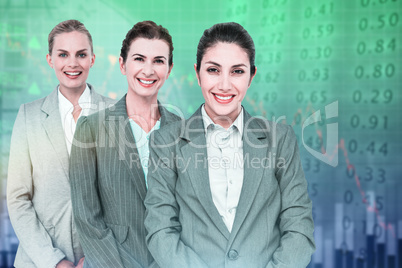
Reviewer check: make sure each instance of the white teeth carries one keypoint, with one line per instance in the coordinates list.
(223, 98)
(147, 82)
(76, 73)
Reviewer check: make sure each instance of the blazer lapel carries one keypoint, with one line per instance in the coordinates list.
(98, 102)
(195, 152)
(166, 116)
(118, 127)
(51, 122)
(254, 147)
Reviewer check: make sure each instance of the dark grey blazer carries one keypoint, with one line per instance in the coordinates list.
(108, 189)
(273, 226)
(38, 188)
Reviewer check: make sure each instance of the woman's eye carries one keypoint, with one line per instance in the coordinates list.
(238, 71)
(82, 55)
(212, 70)
(159, 61)
(138, 59)
(63, 55)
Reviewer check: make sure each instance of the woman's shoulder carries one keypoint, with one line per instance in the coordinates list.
(35, 108)
(35, 104)
(274, 130)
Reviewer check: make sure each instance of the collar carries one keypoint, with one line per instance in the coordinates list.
(66, 106)
(119, 110)
(210, 125)
(138, 131)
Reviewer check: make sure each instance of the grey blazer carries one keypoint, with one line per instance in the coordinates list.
(273, 226)
(38, 189)
(108, 189)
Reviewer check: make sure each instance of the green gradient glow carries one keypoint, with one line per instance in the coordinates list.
(308, 54)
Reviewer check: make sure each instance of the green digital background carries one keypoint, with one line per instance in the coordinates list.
(310, 55)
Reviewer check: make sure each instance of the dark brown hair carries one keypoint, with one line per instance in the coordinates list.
(229, 32)
(149, 30)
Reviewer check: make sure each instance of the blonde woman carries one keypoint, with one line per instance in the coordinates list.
(38, 189)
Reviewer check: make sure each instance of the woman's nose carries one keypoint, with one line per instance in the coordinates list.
(224, 83)
(72, 62)
(148, 69)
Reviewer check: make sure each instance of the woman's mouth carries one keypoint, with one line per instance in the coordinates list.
(223, 99)
(73, 74)
(146, 83)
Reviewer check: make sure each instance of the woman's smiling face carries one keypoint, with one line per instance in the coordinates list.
(71, 60)
(224, 78)
(146, 67)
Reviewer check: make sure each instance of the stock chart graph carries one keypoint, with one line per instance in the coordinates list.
(330, 69)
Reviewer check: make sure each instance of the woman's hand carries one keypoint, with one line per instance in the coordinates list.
(80, 263)
(65, 264)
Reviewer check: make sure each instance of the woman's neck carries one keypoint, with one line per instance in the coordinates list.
(143, 111)
(73, 95)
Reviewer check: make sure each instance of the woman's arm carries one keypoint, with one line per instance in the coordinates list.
(100, 246)
(162, 214)
(295, 219)
(32, 235)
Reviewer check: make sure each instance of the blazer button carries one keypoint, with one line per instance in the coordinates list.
(233, 255)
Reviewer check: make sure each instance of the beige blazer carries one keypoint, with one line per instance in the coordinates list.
(38, 189)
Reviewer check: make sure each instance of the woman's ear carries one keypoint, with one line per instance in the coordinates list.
(170, 69)
(122, 66)
(197, 74)
(49, 60)
(92, 60)
(252, 77)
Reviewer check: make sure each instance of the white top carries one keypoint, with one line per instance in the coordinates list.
(142, 143)
(66, 109)
(225, 165)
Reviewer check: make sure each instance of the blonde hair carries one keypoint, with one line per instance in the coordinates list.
(68, 26)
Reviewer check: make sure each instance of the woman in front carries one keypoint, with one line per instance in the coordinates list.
(108, 167)
(38, 189)
(229, 191)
